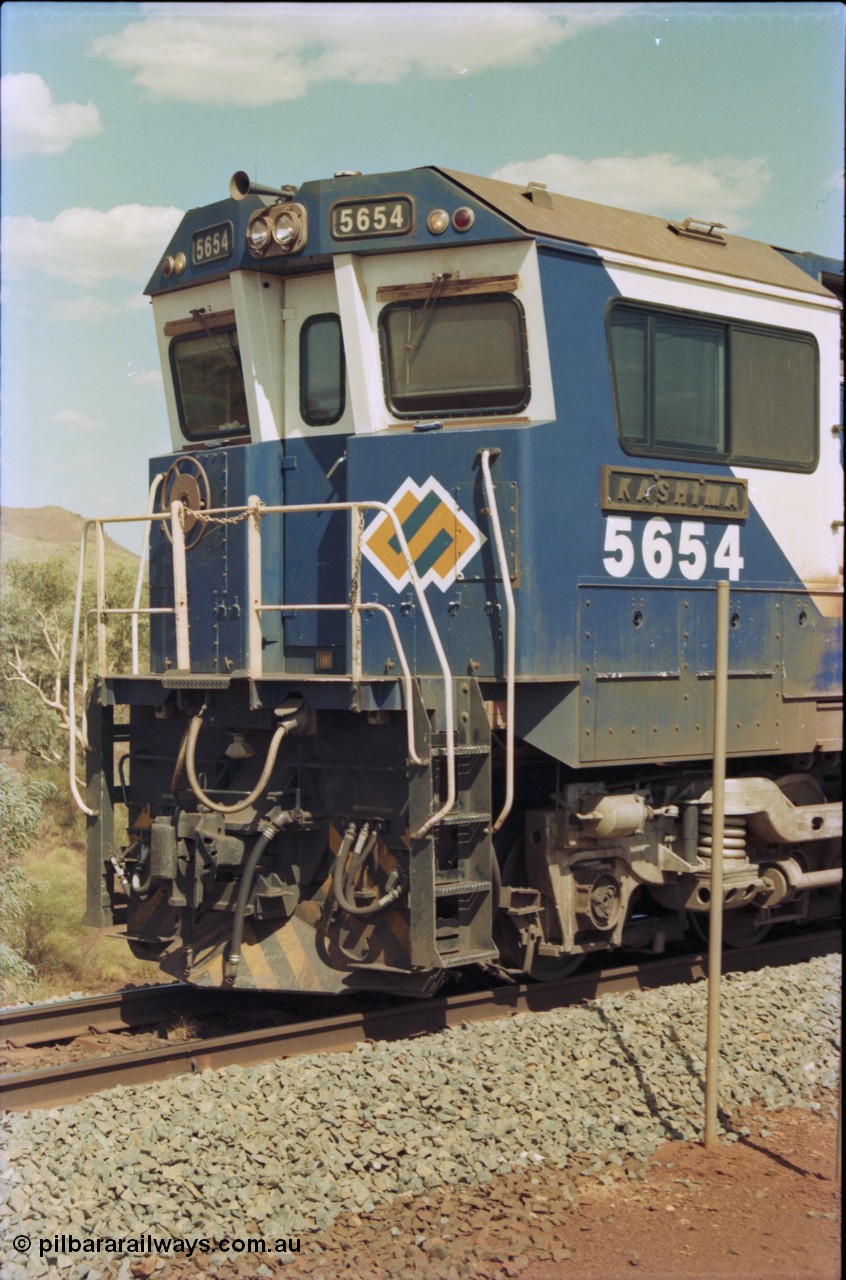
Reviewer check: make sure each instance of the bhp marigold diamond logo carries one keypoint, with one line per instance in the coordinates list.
(440, 537)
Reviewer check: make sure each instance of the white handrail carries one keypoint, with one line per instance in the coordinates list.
(139, 583)
(511, 636)
(77, 611)
(256, 511)
(254, 639)
(102, 613)
(180, 587)
(449, 713)
(392, 626)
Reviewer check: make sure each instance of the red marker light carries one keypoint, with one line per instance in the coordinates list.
(463, 218)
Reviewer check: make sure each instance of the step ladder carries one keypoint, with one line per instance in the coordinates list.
(450, 873)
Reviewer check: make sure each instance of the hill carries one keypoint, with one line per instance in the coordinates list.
(41, 533)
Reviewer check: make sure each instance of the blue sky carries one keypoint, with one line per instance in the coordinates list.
(118, 117)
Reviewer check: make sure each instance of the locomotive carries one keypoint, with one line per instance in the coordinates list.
(456, 467)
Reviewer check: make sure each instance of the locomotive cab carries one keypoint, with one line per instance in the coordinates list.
(455, 468)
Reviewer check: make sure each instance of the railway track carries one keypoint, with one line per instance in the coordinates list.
(54, 1086)
(116, 1011)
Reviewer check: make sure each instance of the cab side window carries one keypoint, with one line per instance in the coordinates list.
(322, 371)
(687, 386)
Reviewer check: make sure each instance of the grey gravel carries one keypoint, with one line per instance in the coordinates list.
(283, 1148)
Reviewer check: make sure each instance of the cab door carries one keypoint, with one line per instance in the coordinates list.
(317, 419)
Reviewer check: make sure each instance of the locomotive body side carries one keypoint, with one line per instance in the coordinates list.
(456, 468)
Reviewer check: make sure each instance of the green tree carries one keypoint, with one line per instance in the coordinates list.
(35, 651)
(21, 801)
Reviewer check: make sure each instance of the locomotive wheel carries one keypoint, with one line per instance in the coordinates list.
(186, 481)
(739, 928)
(548, 968)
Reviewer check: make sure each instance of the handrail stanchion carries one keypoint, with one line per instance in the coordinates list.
(139, 581)
(72, 734)
(356, 521)
(254, 635)
(180, 588)
(715, 918)
(102, 656)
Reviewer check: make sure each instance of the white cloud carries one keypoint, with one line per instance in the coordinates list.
(33, 123)
(147, 378)
(723, 188)
(85, 309)
(76, 463)
(88, 246)
(74, 420)
(90, 308)
(260, 54)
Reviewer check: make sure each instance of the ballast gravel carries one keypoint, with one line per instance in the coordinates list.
(280, 1150)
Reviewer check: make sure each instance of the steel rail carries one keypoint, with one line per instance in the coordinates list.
(47, 1023)
(52, 1087)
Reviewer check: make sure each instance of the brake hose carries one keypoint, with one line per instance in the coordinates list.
(271, 826)
(261, 786)
(361, 852)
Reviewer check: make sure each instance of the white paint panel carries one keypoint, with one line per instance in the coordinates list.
(259, 302)
(307, 296)
(361, 346)
(359, 277)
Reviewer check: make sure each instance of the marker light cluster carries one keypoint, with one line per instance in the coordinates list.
(173, 265)
(281, 229)
(462, 220)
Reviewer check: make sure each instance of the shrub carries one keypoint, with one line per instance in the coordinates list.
(21, 810)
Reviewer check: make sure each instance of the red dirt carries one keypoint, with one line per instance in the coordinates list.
(763, 1208)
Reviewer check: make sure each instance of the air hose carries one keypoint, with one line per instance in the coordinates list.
(187, 755)
(141, 887)
(343, 877)
(270, 828)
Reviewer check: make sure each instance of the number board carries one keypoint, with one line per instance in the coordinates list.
(212, 244)
(360, 219)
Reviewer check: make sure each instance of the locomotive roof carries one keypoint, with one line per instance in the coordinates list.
(602, 227)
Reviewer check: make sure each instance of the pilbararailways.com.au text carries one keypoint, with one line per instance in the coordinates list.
(54, 1246)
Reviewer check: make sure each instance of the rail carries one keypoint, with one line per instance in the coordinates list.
(510, 635)
(253, 513)
(54, 1086)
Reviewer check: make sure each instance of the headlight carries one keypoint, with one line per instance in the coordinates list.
(281, 229)
(259, 234)
(285, 230)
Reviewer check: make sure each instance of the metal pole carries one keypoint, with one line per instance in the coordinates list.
(715, 919)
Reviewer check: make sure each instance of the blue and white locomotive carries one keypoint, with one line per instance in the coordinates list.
(456, 466)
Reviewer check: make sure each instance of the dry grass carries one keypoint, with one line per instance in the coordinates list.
(183, 1029)
(67, 955)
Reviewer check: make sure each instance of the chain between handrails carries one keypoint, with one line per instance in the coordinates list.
(204, 518)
